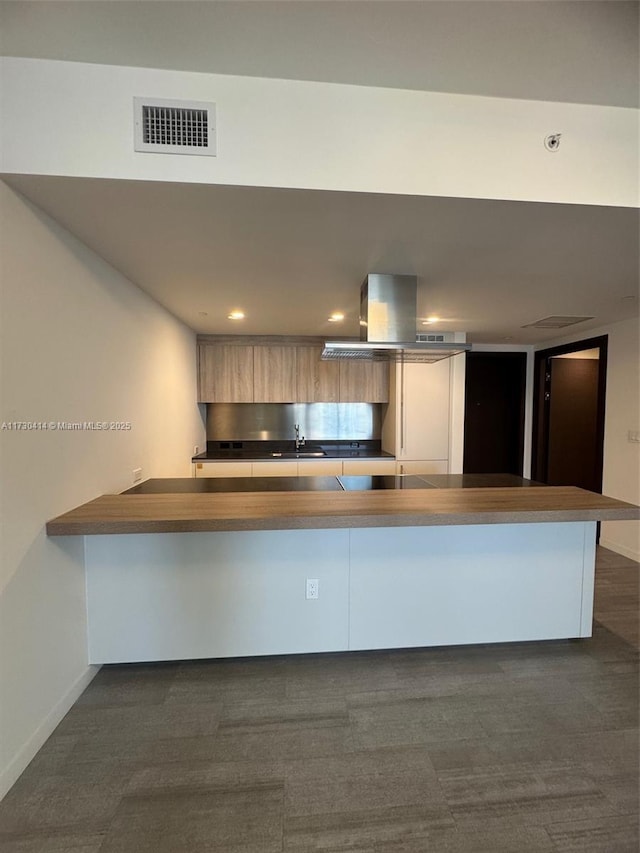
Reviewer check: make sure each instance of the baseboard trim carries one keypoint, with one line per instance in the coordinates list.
(10, 775)
(621, 549)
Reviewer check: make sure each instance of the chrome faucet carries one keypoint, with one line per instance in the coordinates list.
(299, 441)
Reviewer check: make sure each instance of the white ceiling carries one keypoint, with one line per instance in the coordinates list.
(291, 257)
(583, 51)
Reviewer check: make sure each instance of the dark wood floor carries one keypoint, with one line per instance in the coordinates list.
(494, 749)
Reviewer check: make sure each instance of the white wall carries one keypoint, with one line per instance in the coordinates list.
(286, 133)
(78, 343)
(621, 475)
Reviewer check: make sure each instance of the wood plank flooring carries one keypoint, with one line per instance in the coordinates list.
(513, 748)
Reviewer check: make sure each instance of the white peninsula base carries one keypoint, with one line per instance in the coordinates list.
(170, 596)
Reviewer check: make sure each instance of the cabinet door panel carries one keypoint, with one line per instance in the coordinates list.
(317, 381)
(225, 373)
(425, 408)
(274, 374)
(364, 381)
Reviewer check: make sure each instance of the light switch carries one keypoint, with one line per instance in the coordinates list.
(633, 435)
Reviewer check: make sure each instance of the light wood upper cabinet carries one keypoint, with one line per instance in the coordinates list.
(284, 372)
(317, 381)
(225, 373)
(274, 374)
(364, 381)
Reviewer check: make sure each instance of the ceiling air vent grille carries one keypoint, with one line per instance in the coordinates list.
(174, 127)
(556, 322)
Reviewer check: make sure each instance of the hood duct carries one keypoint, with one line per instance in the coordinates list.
(388, 308)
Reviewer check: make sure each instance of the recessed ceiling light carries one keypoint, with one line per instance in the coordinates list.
(236, 315)
(429, 320)
(336, 317)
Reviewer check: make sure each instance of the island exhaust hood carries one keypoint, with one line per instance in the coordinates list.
(388, 308)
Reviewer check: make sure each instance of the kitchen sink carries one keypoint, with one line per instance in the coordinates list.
(297, 454)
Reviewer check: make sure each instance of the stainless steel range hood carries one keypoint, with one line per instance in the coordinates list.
(388, 307)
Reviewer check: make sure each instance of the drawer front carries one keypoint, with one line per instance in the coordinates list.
(369, 466)
(222, 469)
(319, 467)
(306, 468)
(286, 468)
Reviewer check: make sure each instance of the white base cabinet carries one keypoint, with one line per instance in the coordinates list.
(171, 596)
(181, 596)
(474, 584)
(297, 468)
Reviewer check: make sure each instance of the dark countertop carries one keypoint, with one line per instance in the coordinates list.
(382, 482)
(209, 485)
(263, 450)
(477, 481)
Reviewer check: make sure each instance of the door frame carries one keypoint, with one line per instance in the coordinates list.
(540, 430)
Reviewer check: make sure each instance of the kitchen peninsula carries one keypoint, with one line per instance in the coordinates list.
(180, 575)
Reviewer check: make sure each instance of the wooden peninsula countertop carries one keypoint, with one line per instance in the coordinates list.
(192, 513)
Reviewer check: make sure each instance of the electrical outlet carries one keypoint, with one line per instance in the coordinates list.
(196, 450)
(137, 475)
(312, 587)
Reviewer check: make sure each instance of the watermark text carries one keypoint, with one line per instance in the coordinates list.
(63, 426)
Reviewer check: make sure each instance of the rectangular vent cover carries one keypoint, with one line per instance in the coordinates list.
(429, 338)
(556, 322)
(174, 127)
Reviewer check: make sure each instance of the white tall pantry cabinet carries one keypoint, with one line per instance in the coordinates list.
(424, 423)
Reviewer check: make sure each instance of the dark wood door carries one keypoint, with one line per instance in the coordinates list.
(573, 423)
(494, 413)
